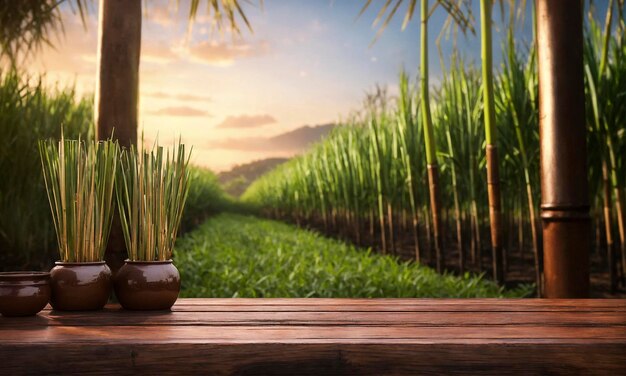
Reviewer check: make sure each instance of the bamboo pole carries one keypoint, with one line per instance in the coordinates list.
(564, 189)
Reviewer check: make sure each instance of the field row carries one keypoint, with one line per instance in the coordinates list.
(242, 256)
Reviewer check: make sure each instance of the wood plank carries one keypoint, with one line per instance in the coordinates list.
(116, 316)
(324, 336)
(315, 359)
(431, 305)
(307, 334)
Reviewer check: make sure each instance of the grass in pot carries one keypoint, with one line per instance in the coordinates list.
(80, 180)
(151, 189)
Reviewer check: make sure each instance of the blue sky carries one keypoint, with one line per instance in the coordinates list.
(307, 62)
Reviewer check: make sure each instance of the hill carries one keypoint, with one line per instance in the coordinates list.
(302, 137)
(294, 141)
(237, 179)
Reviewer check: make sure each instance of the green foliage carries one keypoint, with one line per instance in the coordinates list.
(372, 162)
(27, 25)
(205, 198)
(349, 170)
(80, 179)
(605, 89)
(459, 12)
(151, 192)
(459, 119)
(30, 112)
(240, 256)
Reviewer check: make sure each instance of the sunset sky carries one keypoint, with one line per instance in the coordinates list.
(306, 63)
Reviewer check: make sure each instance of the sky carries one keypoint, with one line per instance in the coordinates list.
(307, 62)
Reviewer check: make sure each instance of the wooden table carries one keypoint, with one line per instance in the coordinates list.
(324, 336)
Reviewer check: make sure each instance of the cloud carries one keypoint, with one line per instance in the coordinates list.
(180, 111)
(246, 121)
(214, 53)
(225, 54)
(161, 14)
(177, 96)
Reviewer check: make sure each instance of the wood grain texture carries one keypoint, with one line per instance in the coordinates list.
(116, 316)
(324, 336)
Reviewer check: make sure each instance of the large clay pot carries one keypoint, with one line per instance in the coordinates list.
(80, 286)
(23, 293)
(147, 285)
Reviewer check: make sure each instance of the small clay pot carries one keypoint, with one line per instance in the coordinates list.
(147, 285)
(80, 286)
(23, 293)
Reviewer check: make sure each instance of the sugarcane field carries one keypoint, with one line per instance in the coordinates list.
(407, 172)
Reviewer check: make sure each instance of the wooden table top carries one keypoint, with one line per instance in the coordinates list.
(324, 336)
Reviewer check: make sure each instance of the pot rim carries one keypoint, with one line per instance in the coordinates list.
(10, 276)
(142, 262)
(23, 279)
(73, 263)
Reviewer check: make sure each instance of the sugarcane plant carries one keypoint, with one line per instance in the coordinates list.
(493, 175)
(604, 81)
(458, 120)
(79, 177)
(516, 110)
(429, 140)
(462, 18)
(151, 189)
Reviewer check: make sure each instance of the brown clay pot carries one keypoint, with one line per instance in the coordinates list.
(147, 285)
(80, 286)
(23, 293)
